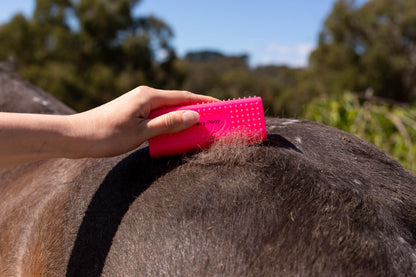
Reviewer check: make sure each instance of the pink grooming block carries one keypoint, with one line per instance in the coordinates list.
(241, 118)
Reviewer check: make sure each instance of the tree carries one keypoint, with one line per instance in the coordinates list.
(369, 46)
(87, 52)
(205, 68)
(224, 77)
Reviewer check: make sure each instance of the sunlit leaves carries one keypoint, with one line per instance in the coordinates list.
(87, 52)
(392, 128)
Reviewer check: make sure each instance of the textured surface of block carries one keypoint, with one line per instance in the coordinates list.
(239, 120)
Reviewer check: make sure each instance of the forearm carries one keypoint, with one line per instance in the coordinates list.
(31, 137)
(112, 129)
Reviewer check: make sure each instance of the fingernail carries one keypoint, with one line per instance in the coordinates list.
(190, 117)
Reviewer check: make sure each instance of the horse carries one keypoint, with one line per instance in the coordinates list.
(311, 200)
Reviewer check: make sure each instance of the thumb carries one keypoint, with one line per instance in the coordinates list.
(172, 122)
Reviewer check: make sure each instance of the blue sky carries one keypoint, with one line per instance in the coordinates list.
(269, 31)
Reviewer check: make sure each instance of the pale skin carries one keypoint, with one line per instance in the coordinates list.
(112, 129)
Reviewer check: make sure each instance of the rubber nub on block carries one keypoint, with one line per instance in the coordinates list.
(240, 120)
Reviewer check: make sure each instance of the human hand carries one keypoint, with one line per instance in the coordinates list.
(122, 124)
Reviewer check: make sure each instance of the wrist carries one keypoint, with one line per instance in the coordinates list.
(76, 137)
(57, 137)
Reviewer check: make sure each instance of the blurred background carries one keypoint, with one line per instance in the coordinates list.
(349, 64)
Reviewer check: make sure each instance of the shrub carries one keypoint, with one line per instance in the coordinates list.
(390, 127)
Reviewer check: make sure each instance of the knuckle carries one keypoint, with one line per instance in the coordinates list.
(142, 89)
(145, 94)
(186, 94)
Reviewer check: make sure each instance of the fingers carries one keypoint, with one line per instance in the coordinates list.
(171, 123)
(162, 98)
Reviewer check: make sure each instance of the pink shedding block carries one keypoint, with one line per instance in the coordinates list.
(237, 120)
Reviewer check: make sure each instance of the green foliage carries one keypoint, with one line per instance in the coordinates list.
(391, 128)
(360, 47)
(369, 46)
(230, 77)
(87, 52)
